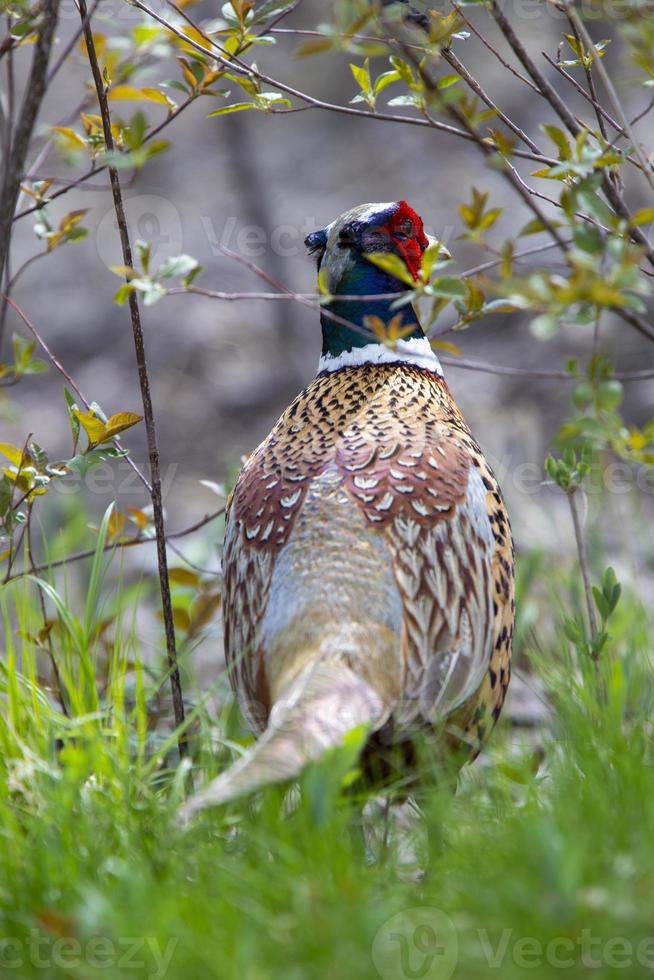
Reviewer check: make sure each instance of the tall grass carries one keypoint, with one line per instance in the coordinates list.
(541, 865)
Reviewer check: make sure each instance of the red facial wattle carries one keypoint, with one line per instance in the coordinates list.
(409, 247)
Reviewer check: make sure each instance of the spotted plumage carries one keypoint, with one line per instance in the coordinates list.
(368, 566)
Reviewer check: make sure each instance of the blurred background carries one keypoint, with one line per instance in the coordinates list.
(258, 183)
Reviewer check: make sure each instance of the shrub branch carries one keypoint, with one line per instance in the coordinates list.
(144, 381)
(17, 152)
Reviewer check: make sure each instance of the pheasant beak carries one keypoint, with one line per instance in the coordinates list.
(443, 252)
(316, 241)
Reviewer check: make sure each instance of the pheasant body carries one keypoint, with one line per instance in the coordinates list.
(368, 566)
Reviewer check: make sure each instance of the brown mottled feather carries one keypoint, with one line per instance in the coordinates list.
(406, 461)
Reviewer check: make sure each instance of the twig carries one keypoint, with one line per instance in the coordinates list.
(280, 17)
(506, 64)
(234, 63)
(72, 41)
(548, 91)
(120, 544)
(472, 82)
(507, 170)
(148, 412)
(455, 362)
(14, 548)
(54, 360)
(583, 562)
(466, 365)
(589, 75)
(94, 171)
(34, 91)
(191, 564)
(491, 263)
(599, 108)
(298, 297)
(610, 89)
(238, 66)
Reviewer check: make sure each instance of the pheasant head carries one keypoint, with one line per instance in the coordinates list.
(343, 250)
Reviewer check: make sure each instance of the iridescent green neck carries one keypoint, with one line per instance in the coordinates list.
(363, 279)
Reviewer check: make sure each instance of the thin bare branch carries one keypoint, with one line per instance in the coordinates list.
(54, 360)
(234, 63)
(484, 40)
(515, 372)
(95, 170)
(612, 193)
(34, 92)
(144, 381)
(583, 562)
(472, 82)
(588, 69)
(117, 546)
(72, 42)
(456, 362)
(610, 90)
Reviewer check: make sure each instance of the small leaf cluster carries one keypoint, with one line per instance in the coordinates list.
(570, 470)
(598, 423)
(605, 597)
(28, 471)
(24, 362)
(151, 283)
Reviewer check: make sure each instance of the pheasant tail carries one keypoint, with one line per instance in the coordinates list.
(325, 702)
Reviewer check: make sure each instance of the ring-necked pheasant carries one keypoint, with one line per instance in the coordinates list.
(368, 566)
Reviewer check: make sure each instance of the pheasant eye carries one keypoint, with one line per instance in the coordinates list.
(406, 227)
(346, 236)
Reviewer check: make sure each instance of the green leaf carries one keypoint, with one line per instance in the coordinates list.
(412, 99)
(123, 293)
(588, 238)
(430, 257)
(450, 287)
(269, 8)
(544, 326)
(385, 79)
(177, 265)
(144, 249)
(594, 206)
(71, 406)
(601, 603)
(642, 217)
(14, 454)
(535, 226)
(5, 495)
(447, 81)
(235, 107)
(362, 77)
(97, 574)
(559, 138)
(393, 265)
